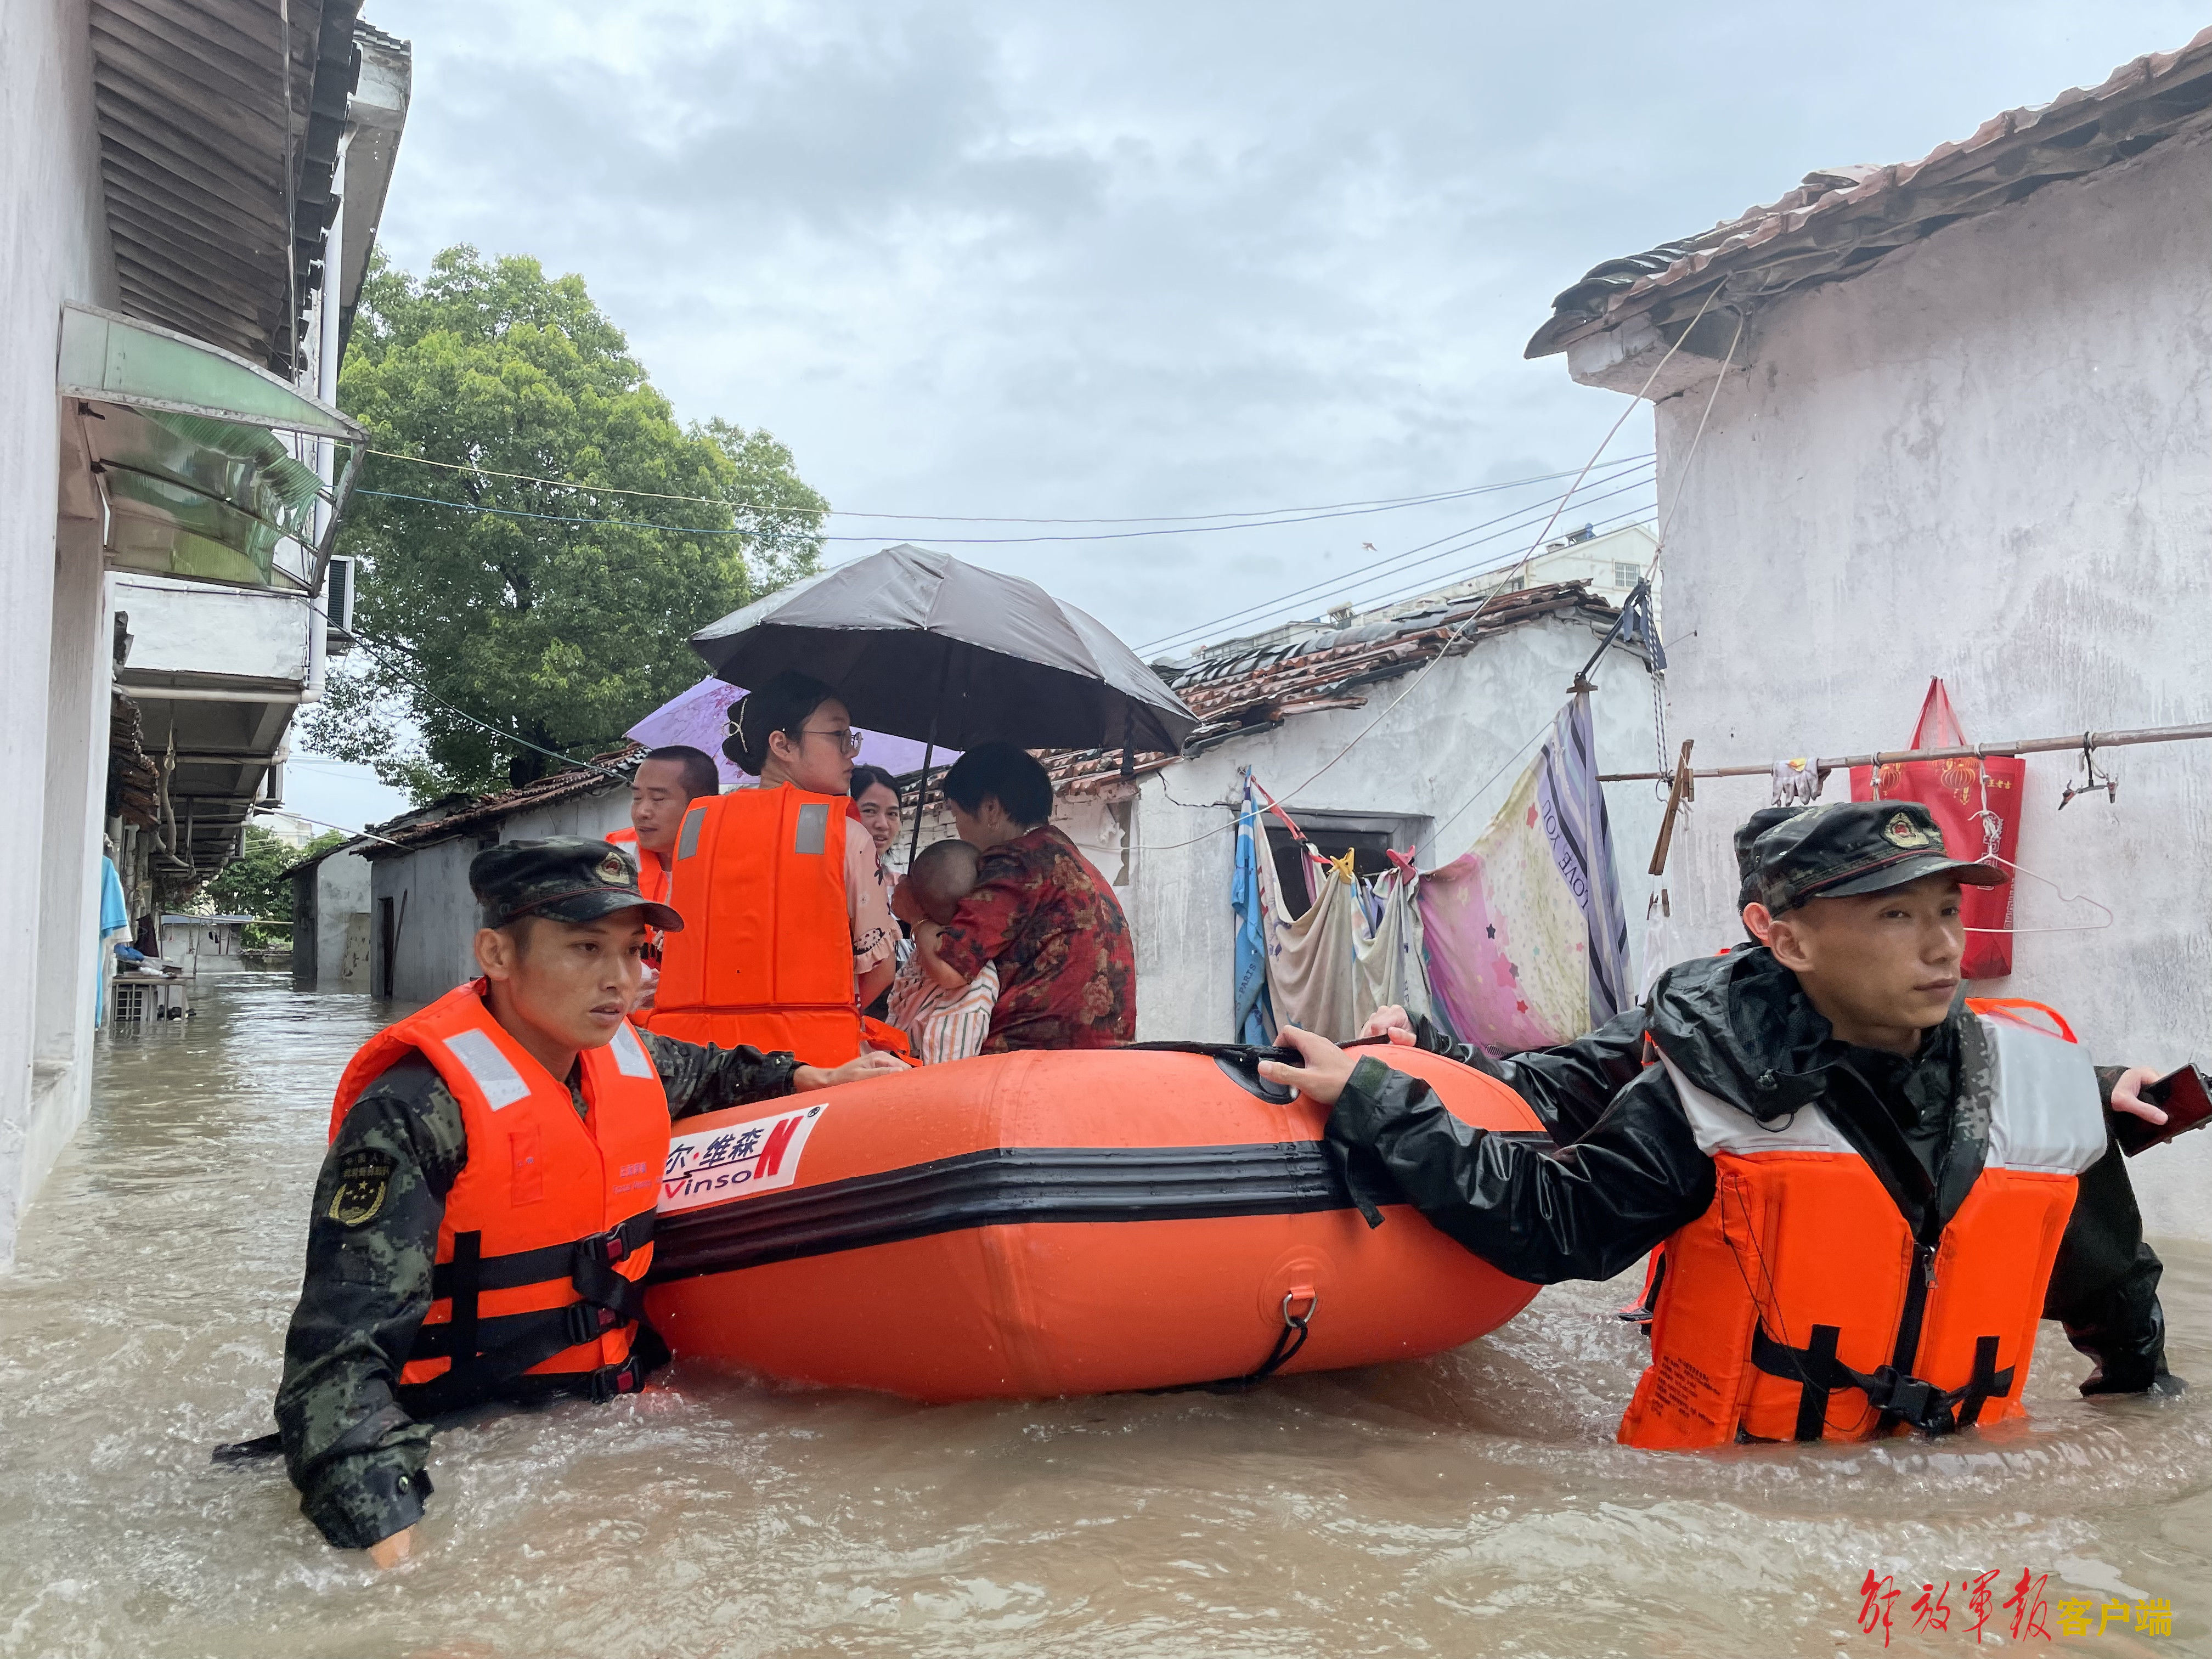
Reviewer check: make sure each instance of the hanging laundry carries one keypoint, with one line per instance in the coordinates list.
(1976, 806)
(1254, 1020)
(1313, 962)
(1526, 940)
(1573, 802)
(1507, 944)
(1392, 962)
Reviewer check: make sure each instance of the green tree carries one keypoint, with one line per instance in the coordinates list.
(254, 884)
(552, 634)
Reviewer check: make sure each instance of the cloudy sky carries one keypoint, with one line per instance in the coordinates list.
(1139, 259)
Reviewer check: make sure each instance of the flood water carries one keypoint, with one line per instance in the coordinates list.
(1475, 1503)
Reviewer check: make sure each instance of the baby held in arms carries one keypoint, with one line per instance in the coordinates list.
(942, 1024)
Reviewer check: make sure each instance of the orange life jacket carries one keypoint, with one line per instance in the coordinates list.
(766, 953)
(548, 1229)
(652, 869)
(1801, 1306)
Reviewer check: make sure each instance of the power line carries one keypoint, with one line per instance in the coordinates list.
(950, 518)
(951, 541)
(373, 643)
(1255, 615)
(1344, 578)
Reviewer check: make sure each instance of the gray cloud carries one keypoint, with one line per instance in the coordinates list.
(1154, 257)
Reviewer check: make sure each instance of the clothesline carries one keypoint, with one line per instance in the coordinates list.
(2087, 742)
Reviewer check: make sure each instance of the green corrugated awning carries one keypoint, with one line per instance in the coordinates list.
(200, 455)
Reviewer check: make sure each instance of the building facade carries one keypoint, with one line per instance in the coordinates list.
(172, 183)
(1961, 426)
(423, 917)
(1424, 783)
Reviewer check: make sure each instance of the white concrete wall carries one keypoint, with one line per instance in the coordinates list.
(53, 247)
(1447, 756)
(1989, 459)
(429, 892)
(342, 894)
(213, 633)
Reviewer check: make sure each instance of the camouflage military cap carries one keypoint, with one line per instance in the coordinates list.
(1855, 847)
(566, 877)
(1748, 833)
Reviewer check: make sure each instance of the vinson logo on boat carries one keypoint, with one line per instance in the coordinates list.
(735, 1161)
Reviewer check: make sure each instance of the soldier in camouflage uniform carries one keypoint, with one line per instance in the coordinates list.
(354, 1452)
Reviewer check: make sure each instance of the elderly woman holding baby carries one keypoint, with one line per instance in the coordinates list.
(1028, 907)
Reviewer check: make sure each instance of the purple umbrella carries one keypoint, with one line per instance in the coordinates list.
(700, 718)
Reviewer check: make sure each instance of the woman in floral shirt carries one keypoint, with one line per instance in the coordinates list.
(1040, 913)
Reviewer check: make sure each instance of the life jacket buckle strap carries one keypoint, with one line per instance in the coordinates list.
(587, 1322)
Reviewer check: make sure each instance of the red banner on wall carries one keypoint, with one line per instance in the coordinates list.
(1976, 804)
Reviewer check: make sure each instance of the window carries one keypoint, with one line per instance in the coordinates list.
(1367, 839)
(1625, 575)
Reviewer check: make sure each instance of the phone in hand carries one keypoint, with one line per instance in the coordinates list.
(2182, 1096)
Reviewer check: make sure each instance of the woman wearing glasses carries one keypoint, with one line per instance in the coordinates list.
(788, 934)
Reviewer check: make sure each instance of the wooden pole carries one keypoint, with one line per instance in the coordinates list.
(2086, 741)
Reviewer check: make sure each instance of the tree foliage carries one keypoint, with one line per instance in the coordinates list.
(254, 885)
(553, 634)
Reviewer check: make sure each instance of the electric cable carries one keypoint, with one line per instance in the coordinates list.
(1476, 617)
(1258, 513)
(1374, 569)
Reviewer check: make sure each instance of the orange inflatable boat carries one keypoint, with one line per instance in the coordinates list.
(1034, 1225)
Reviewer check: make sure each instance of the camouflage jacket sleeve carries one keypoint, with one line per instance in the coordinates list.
(357, 1457)
(702, 1078)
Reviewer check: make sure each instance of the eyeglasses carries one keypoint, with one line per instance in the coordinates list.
(846, 739)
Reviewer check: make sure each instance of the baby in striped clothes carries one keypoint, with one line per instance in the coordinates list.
(942, 1024)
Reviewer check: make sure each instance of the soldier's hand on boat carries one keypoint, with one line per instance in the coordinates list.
(2127, 1094)
(389, 1552)
(1391, 1021)
(874, 1063)
(1328, 1068)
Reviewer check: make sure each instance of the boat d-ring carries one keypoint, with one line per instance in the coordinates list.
(1299, 1321)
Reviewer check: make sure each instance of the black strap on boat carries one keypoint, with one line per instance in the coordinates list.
(1297, 1327)
(1935, 1412)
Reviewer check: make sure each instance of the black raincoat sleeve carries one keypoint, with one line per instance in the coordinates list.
(1569, 1086)
(2104, 1286)
(1542, 1215)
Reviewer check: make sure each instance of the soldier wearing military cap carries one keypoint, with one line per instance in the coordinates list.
(483, 1216)
(1863, 1187)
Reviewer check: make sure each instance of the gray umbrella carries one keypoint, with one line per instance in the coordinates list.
(921, 645)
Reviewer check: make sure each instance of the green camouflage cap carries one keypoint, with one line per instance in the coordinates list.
(1855, 847)
(1747, 835)
(567, 877)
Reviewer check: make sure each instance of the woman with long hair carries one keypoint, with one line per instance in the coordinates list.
(789, 932)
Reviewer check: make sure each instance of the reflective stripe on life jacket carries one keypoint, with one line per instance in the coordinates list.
(766, 953)
(1801, 1306)
(548, 1228)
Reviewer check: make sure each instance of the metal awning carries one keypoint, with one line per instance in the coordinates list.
(206, 464)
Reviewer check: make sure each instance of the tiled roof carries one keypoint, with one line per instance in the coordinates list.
(1257, 691)
(1840, 221)
(407, 832)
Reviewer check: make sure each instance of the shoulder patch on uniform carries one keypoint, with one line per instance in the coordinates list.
(364, 1178)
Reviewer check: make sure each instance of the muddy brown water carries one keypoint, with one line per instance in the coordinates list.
(1475, 1503)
